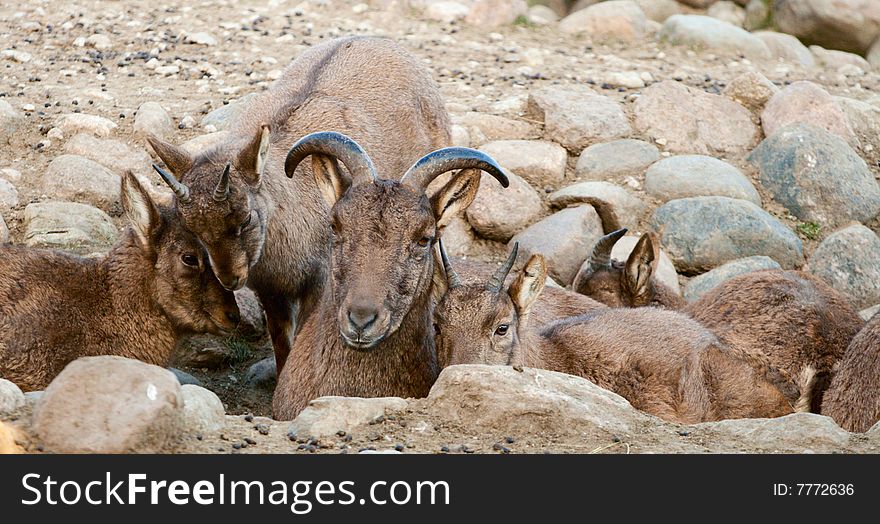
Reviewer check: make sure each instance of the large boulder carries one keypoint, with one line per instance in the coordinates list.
(75, 178)
(689, 120)
(203, 411)
(710, 33)
(110, 405)
(864, 118)
(806, 103)
(701, 233)
(498, 213)
(786, 47)
(702, 284)
(612, 20)
(816, 176)
(564, 238)
(576, 116)
(68, 225)
(540, 162)
(697, 175)
(850, 25)
(795, 433)
(485, 127)
(616, 159)
(112, 154)
(11, 397)
(849, 260)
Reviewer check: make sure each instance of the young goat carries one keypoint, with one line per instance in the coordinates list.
(801, 323)
(662, 362)
(153, 286)
(371, 333)
(268, 232)
(853, 398)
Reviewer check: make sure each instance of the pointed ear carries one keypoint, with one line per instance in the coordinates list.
(139, 208)
(251, 160)
(641, 265)
(455, 196)
(528, 285)
(332, 180)
(177, 159)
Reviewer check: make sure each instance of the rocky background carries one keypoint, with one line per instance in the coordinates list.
(745, 133)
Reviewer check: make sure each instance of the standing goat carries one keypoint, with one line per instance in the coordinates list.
(153, 286)
(853, 398)
(663, 362)
(371, 333)
(270, 233)
(801, 323)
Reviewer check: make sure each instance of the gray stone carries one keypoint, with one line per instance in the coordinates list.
(499, 398)
(616, 159)
(850, 25)
(697, 175)
(10, 121)
(727, 11)
(816, 176)
(873, 56)
(112, 154)
(73, 123)
(253, 318)
(497, 213)
(867, 313)
(576, 116)
(200, 38)
(709, 33)
(541, 15)
(806, 103)
(263, 373)
(446, 11)
(204, 142)
(834, 59)
(849, 260)
(495, 13)
(798, 432)
(757, 16)
(628, 208)
(659, 10)
(8, 195)
(110, 405)
(221, 117)
(751, 89)
(786, 47)
(11, 397)
(539, 162)
(202, 410)
(564, 238)
(701, 233)
(67, 225)
(185, 378)
(326, 416)
(483, 127)
(72, 177)
(152, 118)
(612, 20)
(689, 120)
(700, 285)
(864, 119)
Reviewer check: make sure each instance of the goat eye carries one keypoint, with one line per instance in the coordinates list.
(190, 260)
(425, 241)
(502, 330)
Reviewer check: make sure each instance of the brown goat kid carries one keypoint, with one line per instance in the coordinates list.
(662, 362)
(270, 233)
(853, 398)
(153, 286)
(371, 334)
(798, 321)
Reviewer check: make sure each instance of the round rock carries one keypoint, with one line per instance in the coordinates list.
(202, 410)
(711, 33)
(751, 89)
(786, 47)
(8, 195)
(627, 208)
(806, 103)
(701, 233)
(613, 20)
(616, 159)
(849, 260)
(73, 123)
(540, 162)
(72, 177)
(701, 284)
(497, 213)
(11, 397)
(152, 118)
(10, 120)
(67, 225)
(576, 116)
(697, 175)
(850, 25)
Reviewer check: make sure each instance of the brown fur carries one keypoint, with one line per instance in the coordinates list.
(663, 362)
(853, 398)
(135, 302)
(271, 234)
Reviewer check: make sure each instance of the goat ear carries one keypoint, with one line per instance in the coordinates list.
(641, 265)
(332, 180)
(178, 160)
(528, 285)
(139, 208)
(455, 196)
(251, 160)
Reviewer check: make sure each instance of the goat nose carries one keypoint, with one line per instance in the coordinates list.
(362, 317)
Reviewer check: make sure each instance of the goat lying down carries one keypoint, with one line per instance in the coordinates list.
(663, 362)
(154, 286)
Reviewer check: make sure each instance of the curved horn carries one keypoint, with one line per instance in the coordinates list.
(432, 165)
(336, 145)
(221, 192)
(180, 190)
(497, 281)
(600, 256)
(452, 278)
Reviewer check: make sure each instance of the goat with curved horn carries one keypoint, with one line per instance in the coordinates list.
(221, 192)
(334, 145)
(180, 190)
(600, 256)
(497, 281)
(432, 165)
(452, 278)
